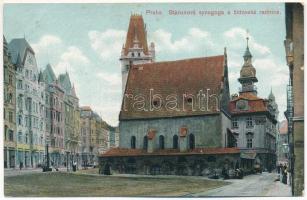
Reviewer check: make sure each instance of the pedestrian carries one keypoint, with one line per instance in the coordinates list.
(284, 174)
(20, 165)
(278, 169)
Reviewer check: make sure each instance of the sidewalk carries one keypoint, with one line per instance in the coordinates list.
(278, 189)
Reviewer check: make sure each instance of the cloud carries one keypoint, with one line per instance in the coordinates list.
(236, 35)
(70, 60)
(45, 42)
(195, 39)
(108, 43)
(110, 78)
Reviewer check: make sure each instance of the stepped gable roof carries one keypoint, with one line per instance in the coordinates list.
(122, 152)
(179, 77)
(17, 48)
(137, 31)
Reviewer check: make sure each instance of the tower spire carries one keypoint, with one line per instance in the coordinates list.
(248, 71)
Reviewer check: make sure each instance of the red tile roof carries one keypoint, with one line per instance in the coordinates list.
(178, 77)
(255, 104)
(283, 127)
(122, 152)
(136, 27)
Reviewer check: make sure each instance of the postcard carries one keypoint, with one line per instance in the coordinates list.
(153, 99)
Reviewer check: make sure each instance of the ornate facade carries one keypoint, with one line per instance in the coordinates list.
(55, 117)
(254, 120)
(9, 110)
(30, 109)
(94, 135)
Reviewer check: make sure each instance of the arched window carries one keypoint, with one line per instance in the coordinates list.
(19, 120)
(145, 142)
(133, 142)
(191, 141)
(175, 142)
(161, 142)
(20, 137)
(5, 131)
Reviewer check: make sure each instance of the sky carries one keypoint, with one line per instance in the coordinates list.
(86, 40)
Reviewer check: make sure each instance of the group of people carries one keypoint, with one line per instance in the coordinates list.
(283, 171)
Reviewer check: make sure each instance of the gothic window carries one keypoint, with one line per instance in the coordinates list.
(235, 123)
(133, 142)
(19, 120)
(191, 141)
(161, 142)
(27, 138)
(145, 142)
(19, 84)
(249, 140)
(20, 137)
(249, 122)
(11, 135)
(10, 98)
(10, 117)
(5, 131)
(19, 101)
(175, 142)
(10, 79)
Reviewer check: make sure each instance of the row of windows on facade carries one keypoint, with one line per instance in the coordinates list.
(9, 135)
(57, 142)
(28, 89)
(28, 74)
(191, 142)
(269, 141)
(54, 101)
(28, 122)
(249, 122)
(29, 104)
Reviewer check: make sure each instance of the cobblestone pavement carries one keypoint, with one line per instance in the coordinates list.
(253, 185)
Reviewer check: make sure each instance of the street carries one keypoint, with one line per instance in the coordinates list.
(252, 185)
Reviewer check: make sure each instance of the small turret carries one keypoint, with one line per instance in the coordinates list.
(248, 72)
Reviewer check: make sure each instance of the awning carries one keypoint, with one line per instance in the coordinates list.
(246, 155)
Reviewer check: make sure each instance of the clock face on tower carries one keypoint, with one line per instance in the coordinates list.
(242, 105)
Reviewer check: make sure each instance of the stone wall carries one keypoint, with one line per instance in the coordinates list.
(206, 129)
(192, 165)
